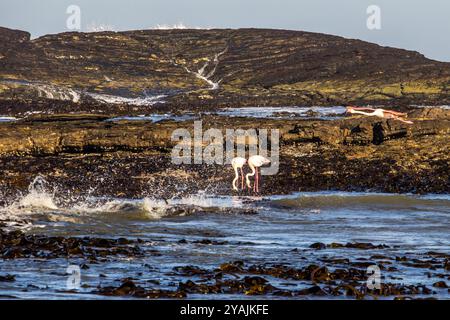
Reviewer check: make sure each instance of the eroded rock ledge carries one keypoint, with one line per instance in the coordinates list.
(132, 158)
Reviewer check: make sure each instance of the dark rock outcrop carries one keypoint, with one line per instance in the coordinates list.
(249, 67)
(133, 157)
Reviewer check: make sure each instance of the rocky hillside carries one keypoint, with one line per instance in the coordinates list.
(217, 68)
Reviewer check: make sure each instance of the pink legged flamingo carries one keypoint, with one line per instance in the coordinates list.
(380, 113)
(254, 162)
(238, 163)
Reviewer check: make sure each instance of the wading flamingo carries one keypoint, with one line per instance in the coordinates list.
(254, 162)
(238, 163)
(380, 113)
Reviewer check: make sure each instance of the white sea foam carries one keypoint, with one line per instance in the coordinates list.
(139, 101)
(49, 91)
(177, 26)
(41, 204)
(99, 27)
(37, 200)
(38, 197)
(57, 92)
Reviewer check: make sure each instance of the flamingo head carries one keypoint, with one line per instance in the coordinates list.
(349, 109)
(247, 182)
(238, 162)
(265, 161)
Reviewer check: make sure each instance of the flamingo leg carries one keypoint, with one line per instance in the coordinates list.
(257, 180)
(242, 179)
(254, 182)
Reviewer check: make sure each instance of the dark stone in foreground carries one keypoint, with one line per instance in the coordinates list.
(327, 277)
(7, 278)
(16, 244)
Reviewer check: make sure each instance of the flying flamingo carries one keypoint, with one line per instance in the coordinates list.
(238, 163)
(380, 113)
(254, 162)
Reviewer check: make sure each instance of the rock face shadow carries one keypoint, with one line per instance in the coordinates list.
(377, 134)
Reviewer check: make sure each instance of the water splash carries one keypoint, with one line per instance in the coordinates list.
(99, 27)
(38, 200)
(155, 208)
(178, 26)
(38, 196)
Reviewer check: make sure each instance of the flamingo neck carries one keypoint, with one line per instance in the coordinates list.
(236, 177)
(252, 167)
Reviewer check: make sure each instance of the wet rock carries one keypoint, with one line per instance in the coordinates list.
(440, 284)
(357, 245)
(190, 270)
(254, 281)
(129, 288)
(314, 290)
(16, 244)
(318, 245)
(320, 274)
(232, 267)
(447, 265)
(210, 242)
(7, 278)
(238, 278)
(365, 246)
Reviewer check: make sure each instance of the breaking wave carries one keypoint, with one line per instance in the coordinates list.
(42, 203)
(356, 200)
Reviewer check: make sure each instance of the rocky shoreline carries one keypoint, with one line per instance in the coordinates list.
(66, 91)
(133, 158)
(329, 276)
(64, 88)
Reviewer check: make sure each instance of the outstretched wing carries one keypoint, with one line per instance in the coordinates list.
(361, 108)
(396, 113)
